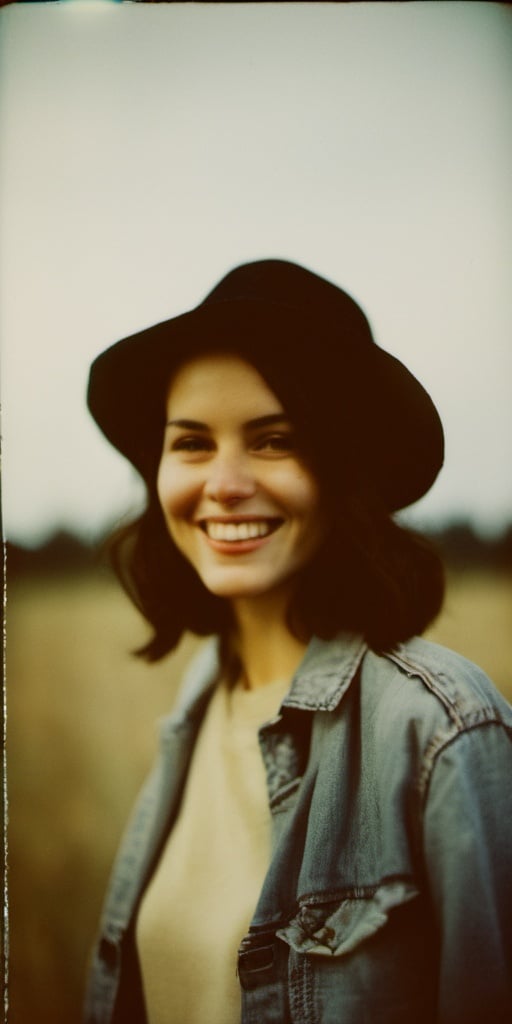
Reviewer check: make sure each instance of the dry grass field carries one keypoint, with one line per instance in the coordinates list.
(81, 735)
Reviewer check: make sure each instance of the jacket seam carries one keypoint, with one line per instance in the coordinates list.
(420, 672)
(351, 892)
(447, 742)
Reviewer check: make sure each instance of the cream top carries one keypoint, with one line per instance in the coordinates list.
(201, 898)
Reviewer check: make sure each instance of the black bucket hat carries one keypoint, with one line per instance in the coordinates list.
(313, 344)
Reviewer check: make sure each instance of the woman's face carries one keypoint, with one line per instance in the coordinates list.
(238, 501)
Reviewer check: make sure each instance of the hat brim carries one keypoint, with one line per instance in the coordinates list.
(386, 415)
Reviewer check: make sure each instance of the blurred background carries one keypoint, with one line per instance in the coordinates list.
(146, 149)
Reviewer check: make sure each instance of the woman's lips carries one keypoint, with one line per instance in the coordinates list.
(239, 534)
(236, 530)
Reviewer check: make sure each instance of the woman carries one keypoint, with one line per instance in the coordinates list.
(325, 835)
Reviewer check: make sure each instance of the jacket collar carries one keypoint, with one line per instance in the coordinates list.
(325, 672)
(319, 683)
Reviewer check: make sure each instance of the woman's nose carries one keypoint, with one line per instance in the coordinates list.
(230, 478)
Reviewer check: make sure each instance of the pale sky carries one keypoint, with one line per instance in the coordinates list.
(148, 148)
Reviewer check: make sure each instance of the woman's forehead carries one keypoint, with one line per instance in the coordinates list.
(217, 380)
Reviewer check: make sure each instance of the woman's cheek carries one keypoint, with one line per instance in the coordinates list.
(168, 488)
(175, 488)
(161, 484)
(301, 491)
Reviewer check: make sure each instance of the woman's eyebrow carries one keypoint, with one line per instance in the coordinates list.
(188, 424)
(266, 421)
(254, 424)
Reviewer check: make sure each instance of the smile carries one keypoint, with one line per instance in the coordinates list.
(233, 532)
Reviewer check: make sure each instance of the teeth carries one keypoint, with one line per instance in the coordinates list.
(237, 531)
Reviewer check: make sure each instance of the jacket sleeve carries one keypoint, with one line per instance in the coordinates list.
(468, 852)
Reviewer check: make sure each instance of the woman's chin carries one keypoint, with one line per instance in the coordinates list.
(236, 586)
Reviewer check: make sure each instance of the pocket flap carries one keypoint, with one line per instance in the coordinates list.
(335, 928)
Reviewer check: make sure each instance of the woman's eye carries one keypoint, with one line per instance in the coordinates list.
(279, 443)
(191, 444)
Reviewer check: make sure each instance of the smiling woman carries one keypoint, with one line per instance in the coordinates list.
(233, 485)
(307, 820)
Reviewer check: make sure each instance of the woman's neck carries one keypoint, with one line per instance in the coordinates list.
(264, 644)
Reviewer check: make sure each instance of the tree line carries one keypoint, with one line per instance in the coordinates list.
(459, 544)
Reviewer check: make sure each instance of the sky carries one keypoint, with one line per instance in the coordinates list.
(148, 148)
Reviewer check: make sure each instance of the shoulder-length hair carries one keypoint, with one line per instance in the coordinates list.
(370, 576)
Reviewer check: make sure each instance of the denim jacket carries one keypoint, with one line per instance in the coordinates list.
(388, 895)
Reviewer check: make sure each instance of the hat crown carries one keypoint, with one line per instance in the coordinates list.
(283, 283)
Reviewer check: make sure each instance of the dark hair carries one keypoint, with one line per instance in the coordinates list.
(371, 576)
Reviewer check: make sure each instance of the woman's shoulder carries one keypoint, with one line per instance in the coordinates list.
(437, 680)
(424, 706)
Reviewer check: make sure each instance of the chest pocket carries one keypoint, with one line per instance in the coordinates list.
(337, 928)
(365, 957)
